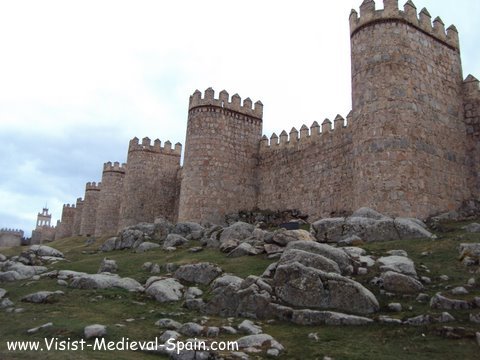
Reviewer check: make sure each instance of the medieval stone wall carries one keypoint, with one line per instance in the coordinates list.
(10, 237)
(89, 211)
(472, 122)
(65, 228)
(77, 219)
(109, 202)
(409, 134)
(311, 172)
(150, 184)
(219, 172)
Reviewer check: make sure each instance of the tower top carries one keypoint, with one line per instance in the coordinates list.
(391, 13)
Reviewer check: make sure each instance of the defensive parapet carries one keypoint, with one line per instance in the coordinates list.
(108, 209)
(115, 167)
(90, 203)
(391, 13)
(77, 219)
(315, 133)
(221, 147)
(146, 145)
(408, 126)
(223, 102)
(471, 105)
(150, 183)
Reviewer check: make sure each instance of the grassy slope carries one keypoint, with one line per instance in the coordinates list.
(78, 308)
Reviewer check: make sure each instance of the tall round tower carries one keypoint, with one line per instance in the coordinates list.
(407, 111)
(108, 209)
(221, 152)
(89, 211)
(150, 185)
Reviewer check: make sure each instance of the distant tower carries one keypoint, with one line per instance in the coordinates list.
(150, 184)
(221, 151)
(89, 211)
(43, 219)
(108, 210)
(43, 229)
(408, 124)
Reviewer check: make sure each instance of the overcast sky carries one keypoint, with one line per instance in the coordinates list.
(78, 79)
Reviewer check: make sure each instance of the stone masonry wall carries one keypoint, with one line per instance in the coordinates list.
(311, 172)
(409, 134)
(471, 96)
(109, 202)
(10, 237)
(65, 229)
(150, 184)
(221, 149)
(90, 203)
(77, 219)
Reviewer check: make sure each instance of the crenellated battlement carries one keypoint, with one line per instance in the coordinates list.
(471, 87)
(116, 167)
(306, 134)
(224, 102)
(146, 145)
(422, 21)
(15, 232)
(93, 186)
(68, 206)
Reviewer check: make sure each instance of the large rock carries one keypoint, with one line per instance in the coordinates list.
(400, 284)
(174, 240)
(146, 246)
(472, 228)
(201, 273)
(238, 232)
(43, 250)
(244, 249)
(306, 287)
(189, 230)
(109, 244)
(400, 264)
(259, 341)
(441, 302)
(370, 226)
(42, 297)
(3, 292)
(470, 251)
(316, 318)
(13, 271)
(334, 254)
(226, 280)
(309, 259)
(105, 281)
(282, 237)
(165, 290)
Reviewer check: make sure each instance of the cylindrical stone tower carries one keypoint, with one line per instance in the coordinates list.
(150, 184)
(90, 203)
(221, 152)
(108, 209)
(77, 219)
(407, 112)
(65, 228)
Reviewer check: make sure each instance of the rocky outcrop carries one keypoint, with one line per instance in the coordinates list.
(305, 287)
(201, 273)
(164, 289)
(104, 281)
(400, 284)
(369, 226)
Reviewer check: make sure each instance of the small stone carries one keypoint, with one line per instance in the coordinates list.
(195, 249)
(3, 292)
(395, 307)
(130, 320)
(248, 327)
(37, 329)
(213, 331)
(228, 330)
(168, 324)
(444, 278)
(426, 280)
(313, 336)
(191, 329)
(471, 282)
(273, 352)
(95, 330)
(398, 253)
(423, 298)
(168, 334)
(477, 335)
(108, 265)
(475, 318)
(459, 290)
(62, 283)
(362, 271)
(426, 253)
